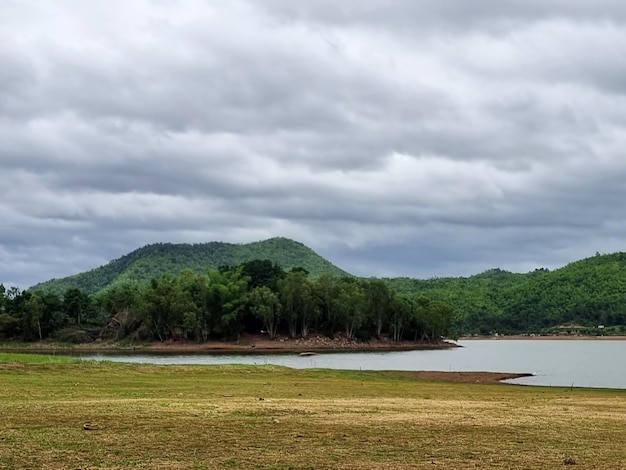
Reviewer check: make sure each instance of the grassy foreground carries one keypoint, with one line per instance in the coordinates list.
(193, 417)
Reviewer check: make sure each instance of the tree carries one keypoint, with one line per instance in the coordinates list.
(34, 317)
(161, 308)
(262, 273)
(401, 309)
(266, 306)
(78, 306)
(226, 298)
(438, 317)
(9, 326)
(379, 301)
(297, 301)
(2, 298)
(119, 310)
(325, 291)
(351, 304)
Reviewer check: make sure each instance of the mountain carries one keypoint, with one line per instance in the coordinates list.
(152, 261)
(590, 292)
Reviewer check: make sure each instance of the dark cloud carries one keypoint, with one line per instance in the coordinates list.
(458, 15)
(398, 137)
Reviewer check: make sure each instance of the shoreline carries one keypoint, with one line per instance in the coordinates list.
(544, 337)
(477, 377)
(263, 345)
(246, 344)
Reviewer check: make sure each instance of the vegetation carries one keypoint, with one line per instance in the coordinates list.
(222, 304)
(163, 291)
(587, 296)
(153, 261)
(185, 417)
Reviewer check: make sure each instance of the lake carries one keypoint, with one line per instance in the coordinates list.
(578, 363)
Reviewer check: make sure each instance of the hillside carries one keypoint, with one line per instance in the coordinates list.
(152, 261)
(589, 292)
(578, 297)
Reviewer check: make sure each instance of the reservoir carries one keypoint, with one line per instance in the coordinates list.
(577, 363)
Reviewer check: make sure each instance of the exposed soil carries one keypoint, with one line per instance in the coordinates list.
(460, 377)
(548, 337)
(246, 343)
(314, 343)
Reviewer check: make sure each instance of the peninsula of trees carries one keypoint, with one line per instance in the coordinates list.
(256, 296)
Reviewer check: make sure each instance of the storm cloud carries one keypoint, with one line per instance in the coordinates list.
(407, 137)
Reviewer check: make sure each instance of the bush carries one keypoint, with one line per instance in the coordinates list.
(9, 326)
(73, 335)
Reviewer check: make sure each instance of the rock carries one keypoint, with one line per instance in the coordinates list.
(569, 461)
(90, 427)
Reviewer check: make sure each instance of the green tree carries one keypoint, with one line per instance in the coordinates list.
(296, 298)
(400, 316)
(266, 306)
(226, 301)
(119, 307)
(379, 303)
(2, 298)
(351, 305)
(325, 292)
(33, 317)
(262, 273)
(78, 306)
(162, 307)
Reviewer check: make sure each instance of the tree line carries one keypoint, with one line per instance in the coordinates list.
(586, 296)
(257, 296)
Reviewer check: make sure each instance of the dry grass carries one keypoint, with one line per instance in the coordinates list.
(192, 417)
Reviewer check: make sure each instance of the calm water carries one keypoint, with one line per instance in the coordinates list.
(584, 363)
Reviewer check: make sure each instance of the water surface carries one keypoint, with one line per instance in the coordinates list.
(578, 363)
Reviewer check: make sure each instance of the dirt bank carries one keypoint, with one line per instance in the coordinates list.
(314, 343)
(547, 337)
(460, 377)
(246, 343)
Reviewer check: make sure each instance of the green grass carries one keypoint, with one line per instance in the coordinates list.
(29, 358)
(192, 417)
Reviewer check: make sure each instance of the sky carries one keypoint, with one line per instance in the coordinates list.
(413, 138)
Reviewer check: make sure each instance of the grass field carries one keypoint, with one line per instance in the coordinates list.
(195, 417)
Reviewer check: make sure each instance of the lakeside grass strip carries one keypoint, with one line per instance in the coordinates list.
(188, 417)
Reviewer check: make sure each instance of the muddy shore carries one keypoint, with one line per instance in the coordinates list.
(547, 337)
(460, 377)
(246, 343)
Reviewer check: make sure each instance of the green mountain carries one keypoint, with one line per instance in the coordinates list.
(152, 261)
(590, 292)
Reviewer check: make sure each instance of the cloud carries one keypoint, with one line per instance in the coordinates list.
(412, 138)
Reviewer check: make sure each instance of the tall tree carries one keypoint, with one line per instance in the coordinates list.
(266, 306)
(351, 305)
(78, 306)
(400, 314)
(262, 273)
(379, 302)
(226, 300)
(297, 301)
(325, 291)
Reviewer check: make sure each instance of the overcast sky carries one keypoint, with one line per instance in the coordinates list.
(395, 137)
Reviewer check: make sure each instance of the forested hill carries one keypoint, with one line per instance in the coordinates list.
(590, 292)
(152, 261)
(586, 293)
